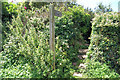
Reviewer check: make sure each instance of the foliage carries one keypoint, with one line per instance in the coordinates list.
(94, 69)
(92, 15)
(8, 10)
(37, 4)
(104, 40)
(103, 8)
(19, 71)
(26, 51)
(71, 27)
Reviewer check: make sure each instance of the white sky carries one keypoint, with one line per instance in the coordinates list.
(93, 3)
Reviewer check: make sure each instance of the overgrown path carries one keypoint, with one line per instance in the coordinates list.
(81, 57)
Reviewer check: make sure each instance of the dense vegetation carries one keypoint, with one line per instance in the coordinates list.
(26, 52)
(104, 41)
(71, 27)
(27, 45)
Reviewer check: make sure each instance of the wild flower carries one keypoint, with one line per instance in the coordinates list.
(25, 8)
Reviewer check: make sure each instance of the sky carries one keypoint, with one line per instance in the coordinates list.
(93, 3)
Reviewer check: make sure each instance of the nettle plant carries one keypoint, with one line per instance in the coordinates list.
(27, 45)
(104, 40)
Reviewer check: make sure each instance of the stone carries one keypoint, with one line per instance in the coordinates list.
(82, 65)
(77, 74)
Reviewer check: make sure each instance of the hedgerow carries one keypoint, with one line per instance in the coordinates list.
(8, 10)
(104, 45)
(95, 69)
(26, 51)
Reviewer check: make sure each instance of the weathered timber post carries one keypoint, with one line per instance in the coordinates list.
(52, 32)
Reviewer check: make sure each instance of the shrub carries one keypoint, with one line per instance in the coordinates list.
(8, 10)
(95, 69)
(26, 51)
(104, 40)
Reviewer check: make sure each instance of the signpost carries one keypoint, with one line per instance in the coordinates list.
(52, 30)
(52, 22)
(52, 33)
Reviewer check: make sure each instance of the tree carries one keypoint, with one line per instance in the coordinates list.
(103, 8)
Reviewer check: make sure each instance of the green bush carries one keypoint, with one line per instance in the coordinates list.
(98, 70)
(104, 40)
(71, 27)
(8, 10)
(19, 71)
(26, 51)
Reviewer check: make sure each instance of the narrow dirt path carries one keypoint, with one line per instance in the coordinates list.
(81, 56)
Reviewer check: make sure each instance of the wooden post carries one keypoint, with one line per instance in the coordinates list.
(52, 33)
(0, 25)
